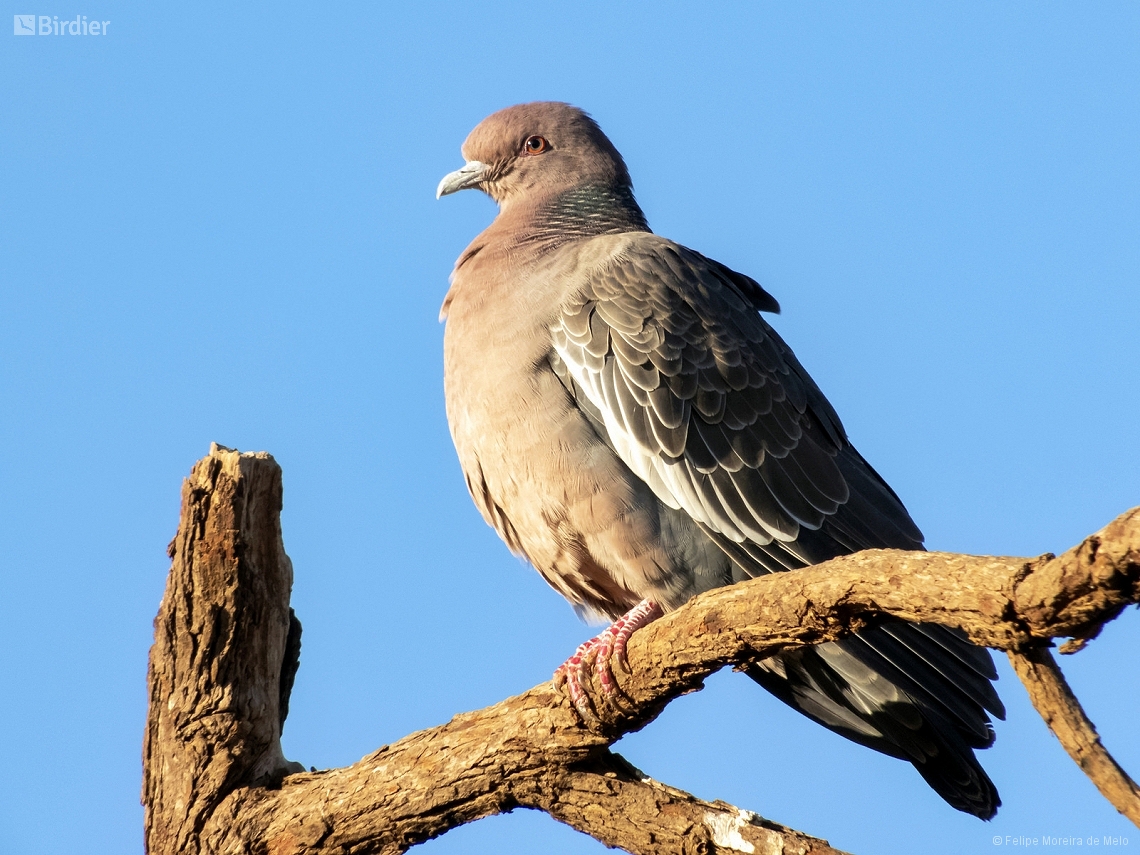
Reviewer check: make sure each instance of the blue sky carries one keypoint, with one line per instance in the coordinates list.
(218, 224)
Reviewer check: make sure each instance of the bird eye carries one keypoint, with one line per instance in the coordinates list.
(535, 145)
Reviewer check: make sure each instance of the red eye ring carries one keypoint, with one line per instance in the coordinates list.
(535, 145)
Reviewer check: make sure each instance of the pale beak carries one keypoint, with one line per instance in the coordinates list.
(469, 176)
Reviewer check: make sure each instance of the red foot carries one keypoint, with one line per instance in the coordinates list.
(599, 653)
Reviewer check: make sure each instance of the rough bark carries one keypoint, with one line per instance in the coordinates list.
(218, 669)
(1055, 701)
(224, 657)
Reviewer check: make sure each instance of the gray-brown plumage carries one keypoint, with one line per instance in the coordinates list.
(628, 422)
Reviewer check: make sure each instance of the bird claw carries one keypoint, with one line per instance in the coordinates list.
(599, 655)
(572, 674)
(592, 657)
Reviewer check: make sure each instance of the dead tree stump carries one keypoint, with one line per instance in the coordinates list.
(227, 648)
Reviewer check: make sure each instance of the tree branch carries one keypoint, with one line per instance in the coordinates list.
(220, 671)
(1057, 704)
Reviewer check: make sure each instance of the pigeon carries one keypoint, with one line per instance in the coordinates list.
(628, 422)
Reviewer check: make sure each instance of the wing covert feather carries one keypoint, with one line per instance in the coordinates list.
(694, 387)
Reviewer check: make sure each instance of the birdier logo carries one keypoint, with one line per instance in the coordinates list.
(51, 25)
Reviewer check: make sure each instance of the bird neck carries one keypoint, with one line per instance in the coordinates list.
(585, 211)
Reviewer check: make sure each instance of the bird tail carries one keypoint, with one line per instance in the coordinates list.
(834, 685)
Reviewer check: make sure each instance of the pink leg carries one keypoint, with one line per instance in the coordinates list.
(600, 652)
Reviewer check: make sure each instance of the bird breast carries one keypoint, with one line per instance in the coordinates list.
(534, 465)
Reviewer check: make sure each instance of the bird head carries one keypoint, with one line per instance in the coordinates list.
(534, 151)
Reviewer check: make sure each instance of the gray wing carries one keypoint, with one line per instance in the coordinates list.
(705, 402)
(666, 352)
